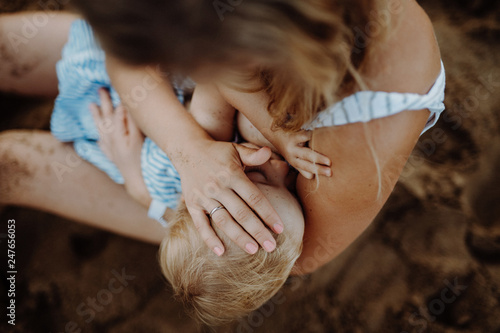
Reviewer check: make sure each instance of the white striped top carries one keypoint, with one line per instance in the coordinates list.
(364, 106)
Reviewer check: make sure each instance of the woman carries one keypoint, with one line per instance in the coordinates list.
(367, 157)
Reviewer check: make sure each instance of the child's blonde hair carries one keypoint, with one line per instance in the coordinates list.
(217, 290)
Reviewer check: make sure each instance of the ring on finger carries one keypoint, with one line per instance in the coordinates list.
(214, 210)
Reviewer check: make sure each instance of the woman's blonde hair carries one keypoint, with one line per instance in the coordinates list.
(312, 54)
(309, 55)
(307, 51)
(217, 290)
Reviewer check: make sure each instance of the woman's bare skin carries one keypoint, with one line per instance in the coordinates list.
(36, 170)
(339, 208)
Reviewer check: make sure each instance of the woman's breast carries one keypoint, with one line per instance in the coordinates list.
(251, 134)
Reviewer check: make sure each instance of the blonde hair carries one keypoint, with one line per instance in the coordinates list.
(324, 62)
(306, 49)
(217, 290)
(311, 57)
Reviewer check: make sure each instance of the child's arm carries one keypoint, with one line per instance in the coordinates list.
(121, 141)
(291, 145)
(212, 112)
(211, 171)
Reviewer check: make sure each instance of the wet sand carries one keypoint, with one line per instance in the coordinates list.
(429, 263)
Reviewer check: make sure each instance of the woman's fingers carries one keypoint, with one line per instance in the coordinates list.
(260, 207)
(248, 232)
(222, 219)
(207, 234)
(237, 210)
(253, 197)
(224, 183)
(251, 156)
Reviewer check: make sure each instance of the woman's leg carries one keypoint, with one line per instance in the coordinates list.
(38, 171)
(30, 45)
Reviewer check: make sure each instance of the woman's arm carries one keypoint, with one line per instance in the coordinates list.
(339, 209)
(211, 172)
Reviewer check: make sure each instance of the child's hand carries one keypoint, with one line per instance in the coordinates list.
(293, 147)
(121, 141)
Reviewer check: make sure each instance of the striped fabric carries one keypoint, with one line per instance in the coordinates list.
(364, 106)
(81, 72)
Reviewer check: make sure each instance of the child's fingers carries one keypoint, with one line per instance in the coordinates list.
(310, 155)
(303, 136)
(120, 121)
(106, 103)
(309, 167)
(306, 174)
(132, 127)
(95, 111)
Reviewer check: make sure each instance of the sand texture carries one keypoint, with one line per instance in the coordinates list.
(429, 263)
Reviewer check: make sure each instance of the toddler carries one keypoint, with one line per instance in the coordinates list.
(214, 289)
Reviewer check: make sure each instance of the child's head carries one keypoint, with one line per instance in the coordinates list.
(217, 290)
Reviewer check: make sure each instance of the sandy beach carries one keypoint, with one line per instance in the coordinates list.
(430, 262)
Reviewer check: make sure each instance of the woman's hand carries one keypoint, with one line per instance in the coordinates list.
(211, 172)
(212, 175)
(121, 141)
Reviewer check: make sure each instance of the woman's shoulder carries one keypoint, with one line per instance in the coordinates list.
(408, 60)
(403, 72)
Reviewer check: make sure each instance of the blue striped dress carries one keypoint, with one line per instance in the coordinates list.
(81, 72)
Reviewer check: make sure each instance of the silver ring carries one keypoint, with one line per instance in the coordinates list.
(215, 209)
